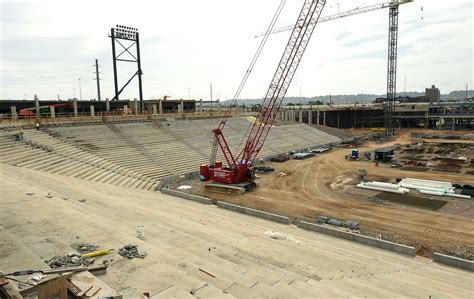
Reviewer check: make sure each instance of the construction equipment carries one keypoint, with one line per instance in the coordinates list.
(392, 51)
(280, 158)
(355, 154)
(43, 109)
(340, 15)
(237, 175)
(336, 222)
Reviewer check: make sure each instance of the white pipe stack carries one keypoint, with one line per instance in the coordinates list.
(386, 187)
(430, 192)
(383, 185)
(457, 195)
(440, 188)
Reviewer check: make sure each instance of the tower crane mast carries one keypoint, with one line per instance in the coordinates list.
(392, 5)
(237, 170)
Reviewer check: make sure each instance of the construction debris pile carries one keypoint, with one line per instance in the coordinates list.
(280, 158)
(336, 222)
(86, 247)
(445, 157)
(69, 260)
(280, 236)
(131, 251)
(263, 169)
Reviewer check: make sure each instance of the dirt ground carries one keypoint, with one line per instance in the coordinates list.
(317, 186)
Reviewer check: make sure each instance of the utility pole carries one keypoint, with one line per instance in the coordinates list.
(211, 92)
(466, 92)
(300, 97)
(189, 93)
(80, 89)
(97, 79)
(405, 87)
(211, 95)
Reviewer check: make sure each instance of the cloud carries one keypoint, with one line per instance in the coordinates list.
(47, 45)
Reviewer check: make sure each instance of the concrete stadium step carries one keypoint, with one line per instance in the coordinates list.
(30, 156)
(87, 170)
(103, 177)
(163, 150)
(96, 174)
(67, 170)
(127, 182)
(114, 180)
(38, 164)
(55, 165)
(20, 154)
(117, 180)
(121, 180)
(173, 292)
(94, 159)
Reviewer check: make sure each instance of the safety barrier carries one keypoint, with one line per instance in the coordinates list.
(387, 245)
(192, 197)
(253, 212)
(454, 261)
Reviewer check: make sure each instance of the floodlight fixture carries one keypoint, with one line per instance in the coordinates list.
(128, 34)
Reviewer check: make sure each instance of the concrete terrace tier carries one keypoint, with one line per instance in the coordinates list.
(138, 154)
(196, 250)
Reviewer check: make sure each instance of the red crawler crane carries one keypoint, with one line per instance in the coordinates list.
(237, 174)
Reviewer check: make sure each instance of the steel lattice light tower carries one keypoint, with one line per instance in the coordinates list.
(391, 70)
(129, 36)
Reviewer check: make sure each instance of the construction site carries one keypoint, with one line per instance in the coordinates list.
(174, 198)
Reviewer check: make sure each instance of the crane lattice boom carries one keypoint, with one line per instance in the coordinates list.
(237, 170)
(287, 67)
(355, 11)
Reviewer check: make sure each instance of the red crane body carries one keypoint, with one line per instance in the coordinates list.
(238, 167)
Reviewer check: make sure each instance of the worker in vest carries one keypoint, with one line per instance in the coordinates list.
(37, 125)
(17, 135)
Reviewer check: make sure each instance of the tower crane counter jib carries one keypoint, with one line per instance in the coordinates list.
(238, 169)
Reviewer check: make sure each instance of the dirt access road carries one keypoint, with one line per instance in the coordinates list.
(316, 186)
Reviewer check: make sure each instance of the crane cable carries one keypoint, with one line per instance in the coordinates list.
(246, 76)
(254, 60)
(259, 50)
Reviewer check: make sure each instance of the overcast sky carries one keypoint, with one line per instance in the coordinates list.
(185, 45)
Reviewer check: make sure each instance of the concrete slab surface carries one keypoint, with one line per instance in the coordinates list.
(182, 238)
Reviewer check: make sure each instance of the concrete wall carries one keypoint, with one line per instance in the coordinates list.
(177, 178)
(403, 249)
(453, 261)
(192, 197)
(253, 212)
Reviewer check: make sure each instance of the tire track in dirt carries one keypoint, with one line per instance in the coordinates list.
(306, 192)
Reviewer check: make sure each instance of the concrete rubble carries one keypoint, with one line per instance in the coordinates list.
(69, 260)
(280, 236)
(131, 251)
(87, 247)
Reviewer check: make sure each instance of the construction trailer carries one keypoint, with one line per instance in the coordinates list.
(384, 154)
